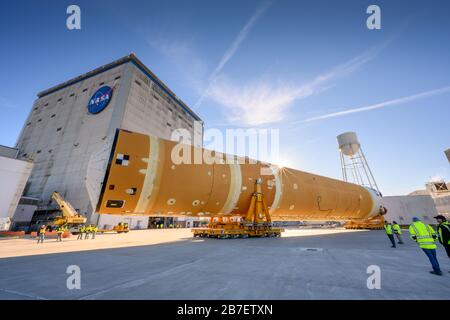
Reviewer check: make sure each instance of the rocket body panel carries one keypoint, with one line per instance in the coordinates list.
(141, 178)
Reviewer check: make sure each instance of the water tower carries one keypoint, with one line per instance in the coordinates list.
(447, 153)
(353, 161)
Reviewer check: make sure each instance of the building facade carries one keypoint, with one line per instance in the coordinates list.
(24, 214)
(440, 193)
(403, 208)
(14, 174)
(72, 120)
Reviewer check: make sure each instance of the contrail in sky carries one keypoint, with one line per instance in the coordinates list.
(233, 48)
(381, 105)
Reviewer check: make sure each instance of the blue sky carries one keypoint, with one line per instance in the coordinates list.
(297, 66)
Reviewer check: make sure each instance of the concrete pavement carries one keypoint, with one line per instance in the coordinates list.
(301, 265)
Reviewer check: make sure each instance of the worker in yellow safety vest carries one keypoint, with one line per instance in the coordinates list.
(87, 232)
(59, 232)
(389, 233)
(41, 233)
(81, 232)
(444, 232)
(94, 230)
(397, 231)
(425, 237)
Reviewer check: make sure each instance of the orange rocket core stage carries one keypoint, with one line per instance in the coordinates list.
(136, 175)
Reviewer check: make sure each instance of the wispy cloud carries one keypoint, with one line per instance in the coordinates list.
(254, 103)
(229, 53)
(183, 56)
(384, 104)
(261, 101)
(436, 178)
(442, 174)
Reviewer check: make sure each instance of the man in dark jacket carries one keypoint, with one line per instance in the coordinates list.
(444, 232)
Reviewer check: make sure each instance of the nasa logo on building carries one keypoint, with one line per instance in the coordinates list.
(100, 99)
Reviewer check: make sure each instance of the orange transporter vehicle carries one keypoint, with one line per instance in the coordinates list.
(143, 175)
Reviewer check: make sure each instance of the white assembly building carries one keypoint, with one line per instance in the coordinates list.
(70, 121)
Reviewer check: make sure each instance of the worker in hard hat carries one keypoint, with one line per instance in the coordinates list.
(389, 233)
(81, 233)
(59, 233)
(425, 237)
(444, 232)
(397, 231)
(41, 233)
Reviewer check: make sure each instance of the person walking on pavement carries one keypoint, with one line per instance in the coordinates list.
(87, 232)
(94, 230)
(444, 232)
(397, 231)
(41, 233)
(389, 233)
(425, 237)
(81, 233)
(59, 233)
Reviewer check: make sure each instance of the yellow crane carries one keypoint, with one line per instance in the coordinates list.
(122, 227)
(69, 216)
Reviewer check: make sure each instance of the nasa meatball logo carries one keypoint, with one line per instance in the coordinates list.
(100, 99)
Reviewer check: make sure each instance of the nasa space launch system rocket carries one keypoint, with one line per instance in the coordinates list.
(136, 174)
